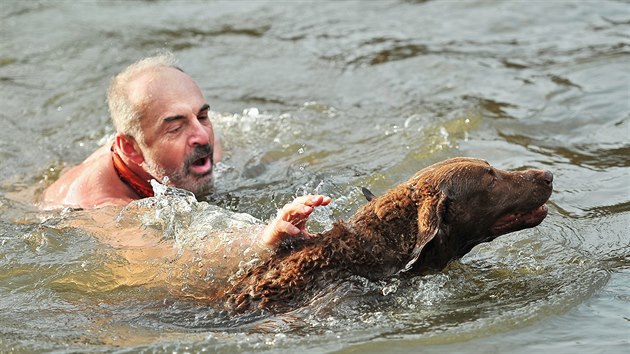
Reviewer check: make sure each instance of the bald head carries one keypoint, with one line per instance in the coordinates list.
(127, 98)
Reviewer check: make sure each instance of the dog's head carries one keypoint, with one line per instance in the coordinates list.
(462, 202)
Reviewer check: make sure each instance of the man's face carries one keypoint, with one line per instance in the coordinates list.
(178, 136)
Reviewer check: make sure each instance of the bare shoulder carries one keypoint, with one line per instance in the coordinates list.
(92, 183)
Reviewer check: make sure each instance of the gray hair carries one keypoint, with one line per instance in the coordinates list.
(125, 116)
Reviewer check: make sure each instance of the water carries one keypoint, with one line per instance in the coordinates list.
(324, 97)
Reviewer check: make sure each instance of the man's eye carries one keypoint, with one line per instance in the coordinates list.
(175, 129)
(204, 119)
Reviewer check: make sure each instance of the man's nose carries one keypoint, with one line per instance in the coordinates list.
(200, 134)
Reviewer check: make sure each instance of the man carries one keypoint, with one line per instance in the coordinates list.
(162, 130)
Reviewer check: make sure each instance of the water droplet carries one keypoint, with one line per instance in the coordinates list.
(251, 112)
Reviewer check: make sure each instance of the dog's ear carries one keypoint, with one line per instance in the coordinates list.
(367, 194)
(431, 211)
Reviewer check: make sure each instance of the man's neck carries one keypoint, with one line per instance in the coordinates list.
(132, 175)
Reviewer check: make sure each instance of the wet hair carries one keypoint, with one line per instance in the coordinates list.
(124, 114)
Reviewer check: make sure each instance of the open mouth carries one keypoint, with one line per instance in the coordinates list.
(201, 166)
(519, 221)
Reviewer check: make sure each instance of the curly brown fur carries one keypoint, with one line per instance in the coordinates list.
(437, 216)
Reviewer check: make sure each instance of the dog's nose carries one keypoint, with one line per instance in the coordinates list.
(547, 177)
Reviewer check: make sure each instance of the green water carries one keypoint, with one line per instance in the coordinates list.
(324, 97)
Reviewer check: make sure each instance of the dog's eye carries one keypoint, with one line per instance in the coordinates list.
(493, 181)
(492, 178)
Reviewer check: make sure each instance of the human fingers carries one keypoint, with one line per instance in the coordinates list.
(313, 200)
(298, 211)
(286, 227)
(291, 219)
(295, 212)
(278, 230)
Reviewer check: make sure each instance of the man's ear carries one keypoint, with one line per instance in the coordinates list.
(129, 147)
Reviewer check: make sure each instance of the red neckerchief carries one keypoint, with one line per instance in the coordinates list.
(140, 186)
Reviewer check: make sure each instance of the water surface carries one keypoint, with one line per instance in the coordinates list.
(324, 97)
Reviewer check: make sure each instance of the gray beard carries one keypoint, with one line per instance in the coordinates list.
(181, 178)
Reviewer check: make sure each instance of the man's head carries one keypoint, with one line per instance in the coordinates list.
(162, 124)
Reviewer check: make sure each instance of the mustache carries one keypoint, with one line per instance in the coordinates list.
(199, 152)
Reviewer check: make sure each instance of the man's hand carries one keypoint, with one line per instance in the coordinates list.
(291, 219)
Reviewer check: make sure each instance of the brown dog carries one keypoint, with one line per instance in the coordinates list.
(437, 216)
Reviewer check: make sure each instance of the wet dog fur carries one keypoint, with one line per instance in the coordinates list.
(419, 226)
